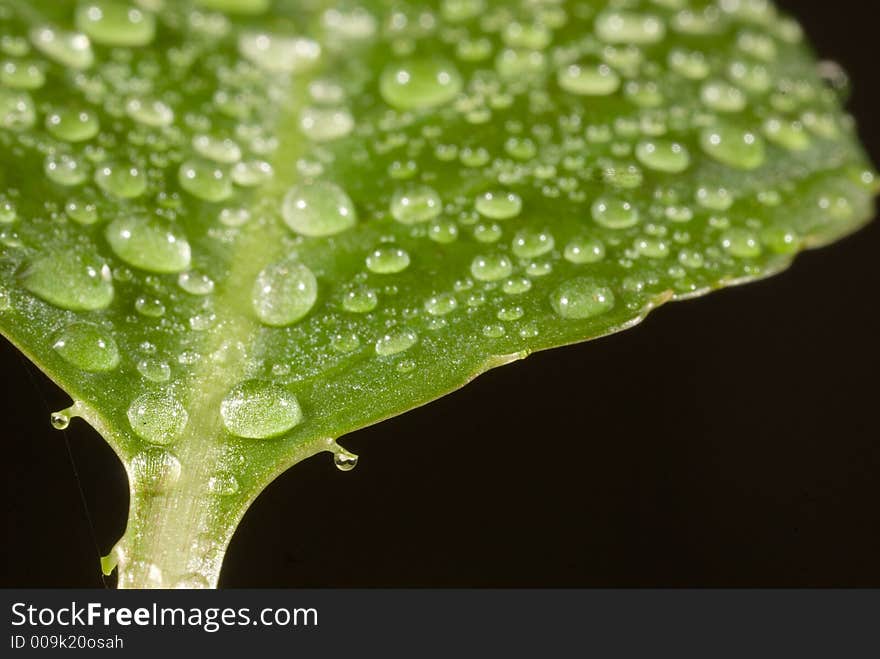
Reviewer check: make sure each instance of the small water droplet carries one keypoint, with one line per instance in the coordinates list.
(88, 347)
(420, 84)
(149, 244)
(318, 209)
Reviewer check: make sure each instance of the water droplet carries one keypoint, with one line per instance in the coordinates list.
(154, 470)
(218, 149)
(663, 156)
(584, 250)
(154, 370)
(588, 79)
(528, 244)
(722, 96)
(284, 293)
(64, 169)
(71, 49)
(387, 260)
(420, 84)
(157, 417)
(326, 124)
(318, 209)
(112, 23)
(415, 205)
(88, 347)
(205, 180)
(396, 342)
(344, 460)
(149, 244)
(195, 283)
(440, 305)
(491, 268)
(61, 420)
(17, 111)
(256, 409)
(72, 125)
(741, 243)
(625, 27)
(121, 180)
(72, 280)
(360, 300)
(614, 213)
(498, 205)
(732, 146)
(581, 298)
(150, 112)
(279, 54)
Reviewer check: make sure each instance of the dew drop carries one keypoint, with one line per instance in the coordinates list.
(614, 213)
(149, 244)
(157, 417)
(420, 84)
(626, 27)
(734, 147)
(88, 347)
(72, 125)
(498, 205)
(71, 280)
(491, 268)
(114, 23)
(205, 180)
(71, 49)
(279, 54)
(344, 460)
(387, 260)
(360, 300)
(581, 298)
(416, 205)
(588, 79)
(257, 409)
(284, 293)
(396, 342)
(318, 209)
(440, 305)
(121, 180)
(663, 156)
(584, 250)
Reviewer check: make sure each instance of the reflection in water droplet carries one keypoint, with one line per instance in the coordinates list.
(420, 84)
(71, 280)
(149, 244)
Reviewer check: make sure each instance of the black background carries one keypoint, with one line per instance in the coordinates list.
(727, 441)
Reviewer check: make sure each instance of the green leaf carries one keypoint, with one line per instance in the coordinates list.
(236, 230)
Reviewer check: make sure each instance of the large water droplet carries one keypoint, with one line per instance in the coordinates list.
(157, 417)
(663, 156)
(284, 293)
(256, 409)
(420, 84)
(72, 280)
(71, 49)
(149, 244)
(318, 209)
(72, 125)
(88, 347)
(581, 298)
(114, 23)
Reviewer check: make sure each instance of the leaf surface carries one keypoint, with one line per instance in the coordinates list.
(236, 230)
